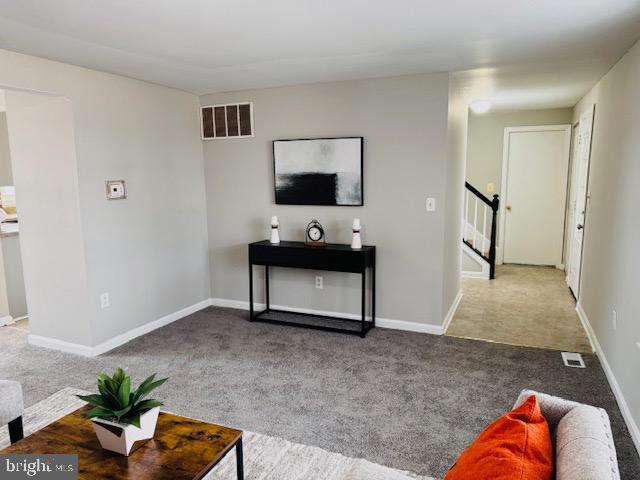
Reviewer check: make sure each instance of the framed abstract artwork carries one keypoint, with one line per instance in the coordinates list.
(319, 171)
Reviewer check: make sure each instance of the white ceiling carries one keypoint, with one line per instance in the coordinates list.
(205, 46)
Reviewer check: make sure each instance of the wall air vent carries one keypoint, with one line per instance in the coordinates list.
(233, 120)
(571, 359)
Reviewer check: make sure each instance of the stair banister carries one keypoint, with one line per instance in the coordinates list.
(494, 205)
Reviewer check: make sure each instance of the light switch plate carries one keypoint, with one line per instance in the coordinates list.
(490, 187)
(115, 190)
(104, 300)
(431, 204)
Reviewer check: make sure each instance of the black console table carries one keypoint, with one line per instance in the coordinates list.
(333, 257)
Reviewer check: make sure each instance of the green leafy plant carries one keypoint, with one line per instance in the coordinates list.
(117, 402)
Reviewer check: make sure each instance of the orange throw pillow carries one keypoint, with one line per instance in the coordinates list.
(517, 446)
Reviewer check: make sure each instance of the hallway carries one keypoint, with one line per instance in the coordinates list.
(525, 305)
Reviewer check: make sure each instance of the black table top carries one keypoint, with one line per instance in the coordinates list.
(330, 246)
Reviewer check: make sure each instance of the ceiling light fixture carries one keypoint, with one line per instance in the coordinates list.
(480, 106)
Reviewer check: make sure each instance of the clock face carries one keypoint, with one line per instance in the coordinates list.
(315, 233)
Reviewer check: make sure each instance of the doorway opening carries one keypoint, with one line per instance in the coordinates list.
(524, 163)
(13, 303)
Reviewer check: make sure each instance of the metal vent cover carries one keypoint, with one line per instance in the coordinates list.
(572, 359)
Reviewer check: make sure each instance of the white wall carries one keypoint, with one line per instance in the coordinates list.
(404, 124)
(150, 250)
(611, 258)
(470, 264)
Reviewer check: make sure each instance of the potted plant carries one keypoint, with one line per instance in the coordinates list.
(123, 419)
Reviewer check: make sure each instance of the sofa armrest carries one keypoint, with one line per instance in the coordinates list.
(552, 408)
(582, 438)
(11, 403)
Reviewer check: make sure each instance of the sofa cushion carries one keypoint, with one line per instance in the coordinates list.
(517, 445)
(584, 447)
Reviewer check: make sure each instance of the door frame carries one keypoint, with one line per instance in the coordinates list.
(566, 128)
(589, 111)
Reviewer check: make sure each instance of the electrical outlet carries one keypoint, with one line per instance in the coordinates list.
(614, 319)
(431, 204)
(104, 300)
(319, 282)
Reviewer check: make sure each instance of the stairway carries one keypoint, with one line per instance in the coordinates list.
(479, 232)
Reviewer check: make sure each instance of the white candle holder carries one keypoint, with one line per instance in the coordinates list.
(275, 236)
(356, 241)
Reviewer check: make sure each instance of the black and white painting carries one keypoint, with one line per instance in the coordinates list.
(321, 171)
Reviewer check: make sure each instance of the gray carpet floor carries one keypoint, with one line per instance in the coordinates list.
(406, 400)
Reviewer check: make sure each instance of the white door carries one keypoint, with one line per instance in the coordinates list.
(578, 200)
(535, 164)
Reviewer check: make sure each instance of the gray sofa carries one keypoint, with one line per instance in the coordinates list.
(582, 438)
(11, 407)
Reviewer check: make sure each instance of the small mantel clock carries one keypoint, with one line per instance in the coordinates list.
(314, 236)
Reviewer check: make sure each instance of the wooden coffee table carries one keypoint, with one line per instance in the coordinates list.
(182, 448)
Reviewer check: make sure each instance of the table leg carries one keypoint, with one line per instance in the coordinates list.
(363, 300)
(250, 292)
(266, 276)
(239, 460)
(15, 430)
(373, 296)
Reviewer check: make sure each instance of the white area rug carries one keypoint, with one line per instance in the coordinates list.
(265, 458)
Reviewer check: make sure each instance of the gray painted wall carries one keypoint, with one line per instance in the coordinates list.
(404, 124)
(6, 177)
(150, 250)
(611, 258)
(486, 136)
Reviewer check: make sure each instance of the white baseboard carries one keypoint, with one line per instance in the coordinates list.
(587, 327)
(451, 312)
(118, 340)
(634, 431)
(61, 345)
(148, 327)
(480, 275)
(409, 326)
(8, 320)
(380, 322)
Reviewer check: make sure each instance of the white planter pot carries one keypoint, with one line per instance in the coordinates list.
(123, 438)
